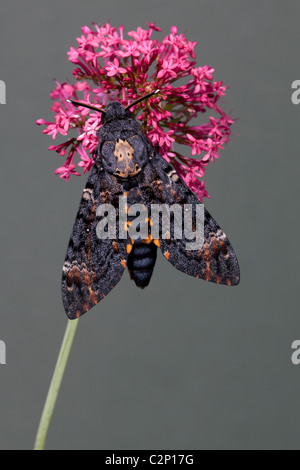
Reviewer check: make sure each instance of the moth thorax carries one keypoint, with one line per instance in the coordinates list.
(126, 164)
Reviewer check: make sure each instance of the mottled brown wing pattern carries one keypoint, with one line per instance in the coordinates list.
(216, 261)
(92, 266)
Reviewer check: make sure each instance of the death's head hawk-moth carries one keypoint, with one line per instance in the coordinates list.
(127, 167)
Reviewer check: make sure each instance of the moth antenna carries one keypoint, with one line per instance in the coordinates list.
(84, 105)
(142, 99)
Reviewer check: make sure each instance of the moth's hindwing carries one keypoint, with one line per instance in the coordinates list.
(92, 266)
(216, 260)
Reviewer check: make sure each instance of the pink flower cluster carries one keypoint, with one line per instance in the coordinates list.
(109, 67)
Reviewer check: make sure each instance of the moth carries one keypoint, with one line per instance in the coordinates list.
(128, 165)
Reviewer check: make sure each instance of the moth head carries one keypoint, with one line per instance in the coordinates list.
(115, 110)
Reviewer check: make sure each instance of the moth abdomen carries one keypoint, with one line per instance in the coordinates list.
(141, 262)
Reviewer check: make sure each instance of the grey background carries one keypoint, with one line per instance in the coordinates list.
(183, 364)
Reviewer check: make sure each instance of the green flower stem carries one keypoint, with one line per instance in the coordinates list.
(55, 384)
